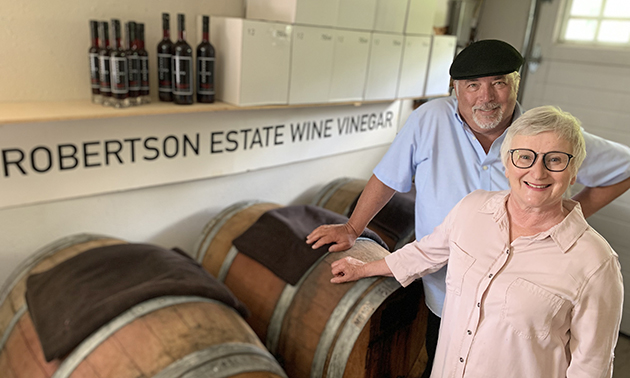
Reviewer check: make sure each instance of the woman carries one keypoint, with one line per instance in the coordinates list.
(532, 289)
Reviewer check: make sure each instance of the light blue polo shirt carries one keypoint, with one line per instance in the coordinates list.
(437, 148)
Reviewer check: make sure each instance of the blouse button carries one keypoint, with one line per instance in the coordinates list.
(469, 332)
(461, 359)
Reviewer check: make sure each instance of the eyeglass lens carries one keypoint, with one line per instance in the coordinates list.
(553, 161)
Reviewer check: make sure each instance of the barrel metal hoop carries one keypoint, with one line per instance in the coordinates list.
(223, 361)
(282, 306)
(47, 250)
(329, 190)
(227, 264)
(14, 320)
(347, 302)
(86, 347)
(355, 324)
(214, 226)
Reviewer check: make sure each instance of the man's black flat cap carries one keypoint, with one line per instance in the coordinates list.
(489, 57)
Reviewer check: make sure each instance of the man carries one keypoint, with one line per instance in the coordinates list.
(450, 147)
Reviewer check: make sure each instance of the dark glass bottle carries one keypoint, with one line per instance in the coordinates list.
(119, 70)
(205, 66)
(134, 63)
(165, 54)
(145, 94)
(182, 66)
(104, 64)
(95, 79)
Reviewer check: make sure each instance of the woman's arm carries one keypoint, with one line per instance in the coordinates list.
(350, 269)
(595, 323)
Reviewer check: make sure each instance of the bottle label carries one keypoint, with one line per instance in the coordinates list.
(144, 73)
(104, 73)
(182, 75)
(164, 72)
(205, 76)
(119, 75)
(134, 72)
(94, 75)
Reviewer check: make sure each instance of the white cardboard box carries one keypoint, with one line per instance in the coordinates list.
(356, 14)
(253, 61)
(391, 16)
(350, 62)
(442, 54)
(311, 64)
(415, 62)
(420, 17)
(303, 12)
(383, 66)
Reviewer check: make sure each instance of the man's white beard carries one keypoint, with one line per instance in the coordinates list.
(488, 123)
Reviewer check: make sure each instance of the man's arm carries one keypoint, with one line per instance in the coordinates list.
(374, 197)
(593, 199)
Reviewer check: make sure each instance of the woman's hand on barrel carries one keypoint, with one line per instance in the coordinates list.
(350, 269)
(341, 236)
(347, 269)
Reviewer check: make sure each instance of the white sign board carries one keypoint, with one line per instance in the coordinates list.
(56, 160)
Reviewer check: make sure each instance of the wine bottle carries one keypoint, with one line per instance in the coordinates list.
(95, 79)
(145, 94)
(119, 70)
(205, 66)
(104, 64)
(165, 54)
(134, 63)
(182, 66)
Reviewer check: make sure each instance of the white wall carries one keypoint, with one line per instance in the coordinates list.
(45, 42)
(44, 58)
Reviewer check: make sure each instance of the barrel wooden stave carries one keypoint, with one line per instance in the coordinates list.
(259, 292)
(311, 308)
(142, 348)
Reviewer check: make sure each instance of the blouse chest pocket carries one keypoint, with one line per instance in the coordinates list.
(459, 262)
(529, 309)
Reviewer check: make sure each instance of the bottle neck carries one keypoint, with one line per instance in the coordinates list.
(95, 42)
(118, 43)
(166, 34)
(181, 35)
(106, 43)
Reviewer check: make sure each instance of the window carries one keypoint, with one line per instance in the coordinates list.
(598, 22)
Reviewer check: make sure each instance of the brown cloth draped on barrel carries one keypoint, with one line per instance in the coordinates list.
(277, 239)
(75, 298)
(397, 218)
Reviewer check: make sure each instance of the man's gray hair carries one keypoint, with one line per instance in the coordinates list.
(544, 119)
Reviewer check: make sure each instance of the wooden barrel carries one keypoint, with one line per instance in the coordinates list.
(171, 336)
(339, 195)
(368, 328)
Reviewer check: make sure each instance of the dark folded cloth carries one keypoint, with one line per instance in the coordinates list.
(75, 298)
(277, 239)
(397, 218)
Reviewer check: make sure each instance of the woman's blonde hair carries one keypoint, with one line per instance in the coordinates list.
(544, 119)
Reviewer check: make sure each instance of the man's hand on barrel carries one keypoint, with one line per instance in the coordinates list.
(341, 236)
(350, 269)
